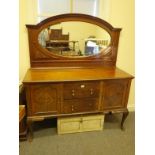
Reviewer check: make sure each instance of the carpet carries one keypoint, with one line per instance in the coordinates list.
(111, 141)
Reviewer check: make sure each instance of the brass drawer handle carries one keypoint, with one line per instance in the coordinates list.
(73, 92)
(72, 108)
(91, 91)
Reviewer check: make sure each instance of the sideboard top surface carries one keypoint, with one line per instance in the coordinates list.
(76, 74)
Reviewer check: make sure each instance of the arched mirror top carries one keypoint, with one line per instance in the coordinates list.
(74, 17)
(72, 38)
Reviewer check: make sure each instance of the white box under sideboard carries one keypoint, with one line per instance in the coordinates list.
(80, 124)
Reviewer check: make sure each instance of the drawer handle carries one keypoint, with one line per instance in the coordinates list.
(91, 91)
(82, 86)
(72, 108)
(73, 92)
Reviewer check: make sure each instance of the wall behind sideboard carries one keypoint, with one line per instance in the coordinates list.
(120, 13)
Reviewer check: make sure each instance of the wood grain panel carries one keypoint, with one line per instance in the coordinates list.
(41, 57)
(114, 94)
(45, 99)
(82, 89)
(73, 74)
(80, 105)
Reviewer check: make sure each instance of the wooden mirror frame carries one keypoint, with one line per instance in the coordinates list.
(40, 57)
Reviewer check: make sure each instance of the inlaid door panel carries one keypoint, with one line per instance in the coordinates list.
(114, 93)
(45, 99)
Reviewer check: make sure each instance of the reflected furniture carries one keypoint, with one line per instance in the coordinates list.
(100, 43)
(62, 45)
(58, 86)
(57, 40)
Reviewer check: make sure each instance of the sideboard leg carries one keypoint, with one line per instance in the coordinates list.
(125, 114)
(30, 128)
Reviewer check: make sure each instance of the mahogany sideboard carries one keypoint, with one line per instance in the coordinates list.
(59, 86)
(64, 92)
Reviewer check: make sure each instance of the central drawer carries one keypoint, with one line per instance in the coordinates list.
(80, 105)
(75, 90)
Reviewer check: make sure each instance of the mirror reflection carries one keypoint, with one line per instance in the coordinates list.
(74, 38)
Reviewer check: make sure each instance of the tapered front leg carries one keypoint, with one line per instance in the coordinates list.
(125, 114)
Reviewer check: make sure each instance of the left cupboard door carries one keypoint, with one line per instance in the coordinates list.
(43, 99)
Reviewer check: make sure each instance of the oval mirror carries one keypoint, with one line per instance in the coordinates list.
(74, 39)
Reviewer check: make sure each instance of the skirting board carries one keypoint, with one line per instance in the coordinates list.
(131, 107)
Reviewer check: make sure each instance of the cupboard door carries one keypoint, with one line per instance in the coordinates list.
(92, 123)
(68, 125)
(44, 99)
(114, 94)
